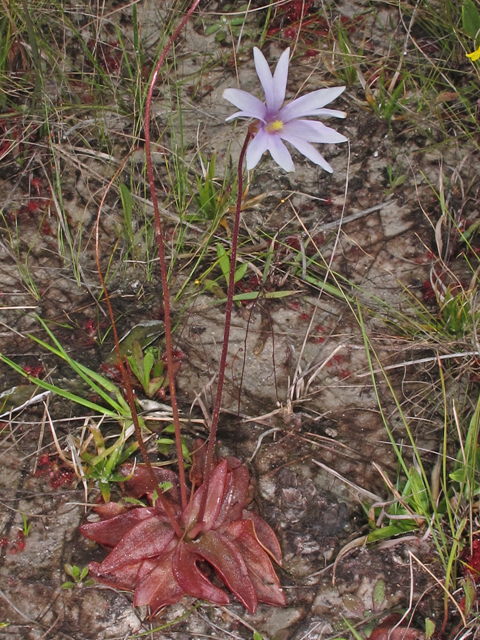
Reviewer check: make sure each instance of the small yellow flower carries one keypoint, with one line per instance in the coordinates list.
(475, 55)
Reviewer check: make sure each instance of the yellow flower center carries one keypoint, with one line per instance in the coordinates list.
(276, 125)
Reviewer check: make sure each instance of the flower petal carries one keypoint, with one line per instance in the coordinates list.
(251, 107)
(280, 79)
(266, 79)
(308, 151)
(257, 148)
(329, 113)
(312, 131)
(309, 104)
(475, 55)
(280, 153)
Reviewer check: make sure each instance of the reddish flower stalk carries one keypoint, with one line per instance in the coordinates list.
(226, 334)
(126, 380)
(161, 255)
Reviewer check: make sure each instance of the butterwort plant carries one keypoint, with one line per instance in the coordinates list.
(172, 546)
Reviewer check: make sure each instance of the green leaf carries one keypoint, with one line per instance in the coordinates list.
(148, 361)
(108, 452)
(134, 501)
(237, 22)
(145, 332)
(127, 204)
(240, 272)
(458, 476)
(186, 452)
(84, 573)
(212, 29)
(104, 490)
(60, 392)
(83, 371)
(68, 585)
(268, 261)
(257, 636)
(469, 591)
(75, 572)
(470, 19)
(391, 530)
(472, 230)
(430, 628)
(223, 261)
(169, 429)
(154, 385)
(158, 369)
(352, 629)
(415, 493)
(215, 288)
(92, 378)
(378, 594)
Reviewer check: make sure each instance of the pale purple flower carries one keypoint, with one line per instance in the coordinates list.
(276, 122)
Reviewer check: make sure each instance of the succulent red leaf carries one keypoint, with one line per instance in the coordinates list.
(110, 532)
(227, 560)
(111, 509)
(147, 539)
(124, 578)
(149, 558)
(396, 633)
(470, 558)
(265, 535)
(235, 495)
(259, 567)
(192, 581)
(214, 500)
(141, 482)
(158, 587)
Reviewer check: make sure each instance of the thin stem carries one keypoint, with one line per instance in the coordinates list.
(126, 380)
(226, 333)
(161, 255)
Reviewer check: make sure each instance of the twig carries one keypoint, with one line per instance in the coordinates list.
(40, 397)
(408, 363)
(442, 586)
(352, 485)
(259, 441)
